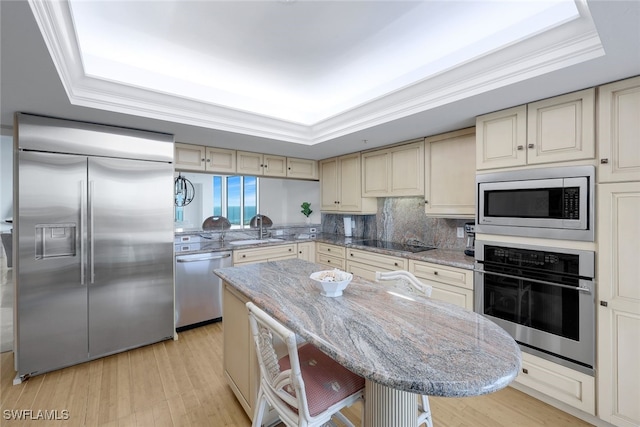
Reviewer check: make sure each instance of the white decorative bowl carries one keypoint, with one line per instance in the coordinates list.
(332, 282)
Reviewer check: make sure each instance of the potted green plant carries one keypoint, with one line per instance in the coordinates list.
(306, 210)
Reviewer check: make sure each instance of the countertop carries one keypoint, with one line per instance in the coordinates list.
(417, 345)
(453, 258)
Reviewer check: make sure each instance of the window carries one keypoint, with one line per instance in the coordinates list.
(236, 198)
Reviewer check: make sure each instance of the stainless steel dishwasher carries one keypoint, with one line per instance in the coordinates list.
(198, 289)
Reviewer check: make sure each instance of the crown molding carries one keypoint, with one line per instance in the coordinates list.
(571, 43)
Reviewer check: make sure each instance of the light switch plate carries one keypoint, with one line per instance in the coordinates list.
(460, 232)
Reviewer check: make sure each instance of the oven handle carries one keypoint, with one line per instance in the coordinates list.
(542, 282)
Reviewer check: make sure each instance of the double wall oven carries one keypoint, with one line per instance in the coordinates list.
(542, 294)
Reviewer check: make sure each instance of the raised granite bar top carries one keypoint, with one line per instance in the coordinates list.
(412, 344)
(453, 258)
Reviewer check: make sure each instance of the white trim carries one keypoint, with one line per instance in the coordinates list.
(569, 44)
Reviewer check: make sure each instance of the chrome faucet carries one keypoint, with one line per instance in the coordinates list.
(262, 232)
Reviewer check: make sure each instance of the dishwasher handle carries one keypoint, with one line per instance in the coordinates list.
(179, 259)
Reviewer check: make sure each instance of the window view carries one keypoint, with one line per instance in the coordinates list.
(236, 198)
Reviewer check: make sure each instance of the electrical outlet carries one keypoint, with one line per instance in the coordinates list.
(312, 230)
(278, 232)
(460, 232)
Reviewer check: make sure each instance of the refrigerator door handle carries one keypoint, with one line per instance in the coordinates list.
(83, 219)
(91, 238)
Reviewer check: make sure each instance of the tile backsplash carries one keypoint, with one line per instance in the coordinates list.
(401, 219)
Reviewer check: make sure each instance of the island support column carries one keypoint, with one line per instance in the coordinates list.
(388, 407)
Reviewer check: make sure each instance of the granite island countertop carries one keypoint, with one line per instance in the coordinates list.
(417, 345)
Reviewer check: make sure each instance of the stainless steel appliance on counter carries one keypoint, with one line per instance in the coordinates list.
(544, 297)
(198, 289)
(94, 222)
(554, 203)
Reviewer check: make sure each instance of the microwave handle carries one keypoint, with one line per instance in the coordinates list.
(542, 282)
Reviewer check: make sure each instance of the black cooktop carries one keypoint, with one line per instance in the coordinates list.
(393, 246)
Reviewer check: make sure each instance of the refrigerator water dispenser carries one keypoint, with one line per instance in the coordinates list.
(55, 240)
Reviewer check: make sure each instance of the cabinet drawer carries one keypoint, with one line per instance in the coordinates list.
(452, 294)
(384, 262)
(330, 261)
(363, 270)
(332, 250)
(566, 385)
(438, 273)
(264, 254)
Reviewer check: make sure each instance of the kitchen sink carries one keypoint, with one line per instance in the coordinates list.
(254, 241)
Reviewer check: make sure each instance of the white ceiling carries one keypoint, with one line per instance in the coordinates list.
(305, 78)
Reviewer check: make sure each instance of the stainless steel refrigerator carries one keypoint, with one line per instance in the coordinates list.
(94, 228)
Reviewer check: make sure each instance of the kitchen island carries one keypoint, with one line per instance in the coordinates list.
(401, 346)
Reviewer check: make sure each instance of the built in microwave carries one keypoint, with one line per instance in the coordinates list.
(554, 203)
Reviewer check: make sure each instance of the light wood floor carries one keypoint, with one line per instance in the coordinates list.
(180, 383)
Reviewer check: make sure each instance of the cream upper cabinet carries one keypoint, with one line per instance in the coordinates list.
(551, 130)
(450, 174)
(394, 171)
(619, 131)
(190, 157)
(501, 138)
(619, 303)
(249, 163)
(221, 160)
(340, 186)
(302, 168)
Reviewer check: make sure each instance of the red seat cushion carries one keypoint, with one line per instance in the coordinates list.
(326, 382)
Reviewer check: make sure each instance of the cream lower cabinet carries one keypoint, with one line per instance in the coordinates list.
(307, 251)
(450, 284)
(330, 255)
(366, 264)
(619, 131)
(450, 176)
(270, 253)
(240, 363)
(558, 382)
(618, 335)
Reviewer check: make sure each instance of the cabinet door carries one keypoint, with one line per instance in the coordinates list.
(501, 138)
(451, 294)
(237, 348)
(619, 321)
(619, 131)
(329, 184)
(221, 160)
(307, 251)
(350, 191)
(363, 270)
(375, 174)
(302, 168)
(450, 174)
(561, 128)
(189, 157)
(249, 163)
(407, 169)
(275, 165)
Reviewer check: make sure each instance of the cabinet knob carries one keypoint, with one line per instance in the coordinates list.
(202, 160)
(261, 166)
(435, 273)
(426, 202)
(208, 160)
(530, 145)
(604, 303)
(525, 371)
(329, 261)
(290, 249)
(328, 250)
(244, 256)
(520, 147)
(299, 252)
(289, 168)
(604, 161)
